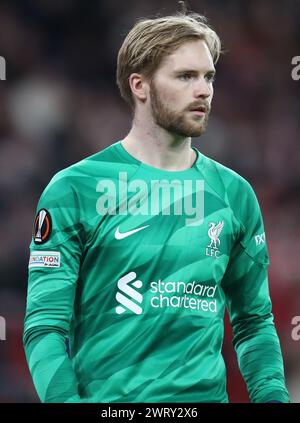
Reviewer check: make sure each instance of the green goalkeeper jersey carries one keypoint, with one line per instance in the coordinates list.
(135, 265)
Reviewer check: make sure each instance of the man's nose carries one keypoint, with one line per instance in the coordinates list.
(202, 88)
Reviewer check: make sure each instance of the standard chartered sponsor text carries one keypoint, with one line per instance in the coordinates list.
(183, 295)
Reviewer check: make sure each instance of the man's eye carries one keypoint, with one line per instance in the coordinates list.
(185, 77)
(211, 77)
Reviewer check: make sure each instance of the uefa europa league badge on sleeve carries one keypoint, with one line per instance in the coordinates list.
(42, 227)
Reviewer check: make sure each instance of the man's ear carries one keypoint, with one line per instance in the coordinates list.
(139, 86)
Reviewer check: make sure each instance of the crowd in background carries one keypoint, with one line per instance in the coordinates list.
(60, 103)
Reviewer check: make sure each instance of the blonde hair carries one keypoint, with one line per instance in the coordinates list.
(151, 40)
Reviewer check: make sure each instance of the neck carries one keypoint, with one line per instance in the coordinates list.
(159, 148)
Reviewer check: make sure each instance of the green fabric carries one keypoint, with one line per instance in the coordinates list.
(157, 336)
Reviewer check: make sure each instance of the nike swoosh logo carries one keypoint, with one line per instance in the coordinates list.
(119, 235)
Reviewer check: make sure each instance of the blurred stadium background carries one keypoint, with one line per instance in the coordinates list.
(60, 104)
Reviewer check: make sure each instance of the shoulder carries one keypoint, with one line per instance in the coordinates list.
(234, 188)
(85, 174)
(232, 181)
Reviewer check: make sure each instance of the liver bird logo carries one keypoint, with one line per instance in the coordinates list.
(214, 233)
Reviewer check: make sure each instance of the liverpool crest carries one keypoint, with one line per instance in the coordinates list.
(214, 232)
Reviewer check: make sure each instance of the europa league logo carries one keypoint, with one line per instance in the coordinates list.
(42, 227)
(38, 236)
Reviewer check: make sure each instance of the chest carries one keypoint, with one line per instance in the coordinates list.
(190, 232)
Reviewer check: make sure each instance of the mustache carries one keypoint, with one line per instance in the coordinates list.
(203, 106)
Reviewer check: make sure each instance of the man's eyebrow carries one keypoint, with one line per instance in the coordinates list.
(194, 71)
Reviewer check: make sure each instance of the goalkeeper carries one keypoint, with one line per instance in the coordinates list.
(138, 249)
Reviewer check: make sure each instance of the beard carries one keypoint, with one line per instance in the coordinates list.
(174, 121)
